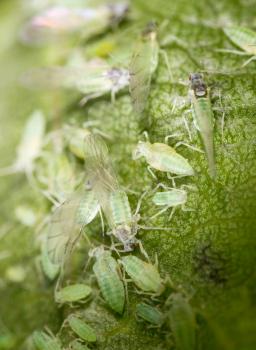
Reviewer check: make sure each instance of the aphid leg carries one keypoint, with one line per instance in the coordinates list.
(142, 250)
(167, 62)
(172, 213)
(181, 143)
(171, 136)
(139, 202)
(88, 98)
(145, 134)
(170, 177)
(186, 124)
(160, 212)
(184, 208)
(235, 52)
(248, 61)
(151, 172)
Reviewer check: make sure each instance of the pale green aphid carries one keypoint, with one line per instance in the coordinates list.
(30, 145)
(72, 293)
(82, 329)
(50, 269)
(145, 275)
(45, 341)
(164, 158)
(93, 79)
(182, 323)
(67, 222)
(149, 314)
(77, 345)
(108, 275)
(244, 38)
(56, 22)
(203, 116)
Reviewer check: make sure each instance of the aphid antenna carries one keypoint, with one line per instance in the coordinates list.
(89, 97)
(181, 143)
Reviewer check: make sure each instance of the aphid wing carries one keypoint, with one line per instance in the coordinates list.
(66, 224)
(142, 66)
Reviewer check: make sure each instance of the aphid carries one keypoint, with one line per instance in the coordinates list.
(108, 275)
(182, 323)
(145, 275)
(77, 345)
(203, 116)
(57, 22)
(50, 270)
(73, 293)
(113, 200)
(171, 198)
(67, 223)
(163, 158)
(244, 38)
(45, 341)
(29, 147)
(143, 64)
(150, 314)
(82, 329)
(93, 79)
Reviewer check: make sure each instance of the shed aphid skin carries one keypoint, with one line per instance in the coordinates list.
(73, 293)
(30, 146)
(182, 323)
(144, 274)
(244, 38)
(46, 341)
(67, 222)
(203, 116)
(108, 275)
(57, 22)
(82, 329)
(92, 79)
(149, 314)
(164, 158)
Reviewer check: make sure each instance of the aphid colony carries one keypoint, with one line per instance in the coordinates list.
(96, 191)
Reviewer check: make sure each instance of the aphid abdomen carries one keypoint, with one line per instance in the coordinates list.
(182, 323)
(82, 329)
(88, 208)
(111, 286)
(120, 207)
(149, 313)
(204, 120)
(244, 38)
(144, 275)
(170, 198)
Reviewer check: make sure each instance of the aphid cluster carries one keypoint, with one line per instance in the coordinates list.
(78, 200)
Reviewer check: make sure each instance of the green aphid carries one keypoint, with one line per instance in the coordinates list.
(244, 38)
(113, 200)
(75, 140)
(107, 272)
(73, 293)
(164, 158)
(77, 345)
(170, 199)
(50, 269)
(149, 314)
(82, 329)
(44, 341)
(203, 117)
(182, 323)
(143, 64)
(67, 223)
(145, 275)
